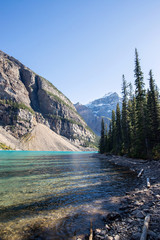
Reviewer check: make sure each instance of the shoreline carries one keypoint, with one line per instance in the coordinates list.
(126, 222)
(135, 205)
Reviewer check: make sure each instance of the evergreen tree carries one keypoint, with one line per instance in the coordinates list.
(136, 130)
(132, 126)
(118, 130)
(153, 113)
(133, 116)
(141, 144)
(113, 131)
(102, 139)
(124, 115)
(131, 95)
(129, 126)
(106, 140)
(110, 142)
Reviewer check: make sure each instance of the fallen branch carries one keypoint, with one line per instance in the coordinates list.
(145, 228)
(140, 173)
(91, 232)
(148, 183)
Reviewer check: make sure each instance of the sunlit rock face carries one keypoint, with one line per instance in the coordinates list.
(28, 99)
(93, 112)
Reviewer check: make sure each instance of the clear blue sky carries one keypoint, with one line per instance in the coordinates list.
(83, 46)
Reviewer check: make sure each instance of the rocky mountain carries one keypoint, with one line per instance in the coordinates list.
(93, 112)
(27, 99)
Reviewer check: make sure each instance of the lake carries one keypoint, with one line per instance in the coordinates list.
(55, 195)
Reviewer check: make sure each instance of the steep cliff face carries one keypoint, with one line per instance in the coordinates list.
(93, 121)
(28, 99)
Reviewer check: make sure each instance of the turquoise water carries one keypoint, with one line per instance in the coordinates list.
(60, 192)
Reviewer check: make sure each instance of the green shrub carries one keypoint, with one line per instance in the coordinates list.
(4, 147)
(23, 106)
(16, 105)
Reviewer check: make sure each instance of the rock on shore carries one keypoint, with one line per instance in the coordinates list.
(127, 223)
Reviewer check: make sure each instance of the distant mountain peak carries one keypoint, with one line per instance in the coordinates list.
(95, 110)
(108, 94)
(77, 104)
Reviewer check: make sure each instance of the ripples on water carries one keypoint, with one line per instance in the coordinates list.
(56, 195)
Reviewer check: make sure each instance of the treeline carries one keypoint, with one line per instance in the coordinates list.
(135, 130)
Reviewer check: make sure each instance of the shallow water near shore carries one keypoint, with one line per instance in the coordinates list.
(55, 195)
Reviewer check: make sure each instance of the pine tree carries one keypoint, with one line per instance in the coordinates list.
(113, 131)
(141, 144)
(129, 126)
(153, 113)
(102, 139)
(118, 131)
(124, 115)
(110, 142)
(136, 130)
(106, 140)
(132, 126)
(129, 121)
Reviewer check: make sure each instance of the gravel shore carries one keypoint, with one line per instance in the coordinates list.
(127, 223)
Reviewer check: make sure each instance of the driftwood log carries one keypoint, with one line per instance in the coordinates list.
(140, 173)
(91, 232)
(145, 228)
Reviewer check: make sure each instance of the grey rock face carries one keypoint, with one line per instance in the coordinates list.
(93, 112)
(10, 86)
(29, 98)
(94, 122)
(104, 106)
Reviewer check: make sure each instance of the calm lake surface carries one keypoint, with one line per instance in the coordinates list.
(55, 195)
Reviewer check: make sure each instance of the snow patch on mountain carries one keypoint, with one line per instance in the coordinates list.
(93, 112)
(108, 94)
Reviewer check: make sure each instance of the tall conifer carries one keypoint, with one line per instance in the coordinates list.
(102, 139)
(133, 128)
(136, 130)
(153, 113)
(118, 131)
(124, 115)
(110, 142)
(113, 130)
(106, 140)
(141, 145)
